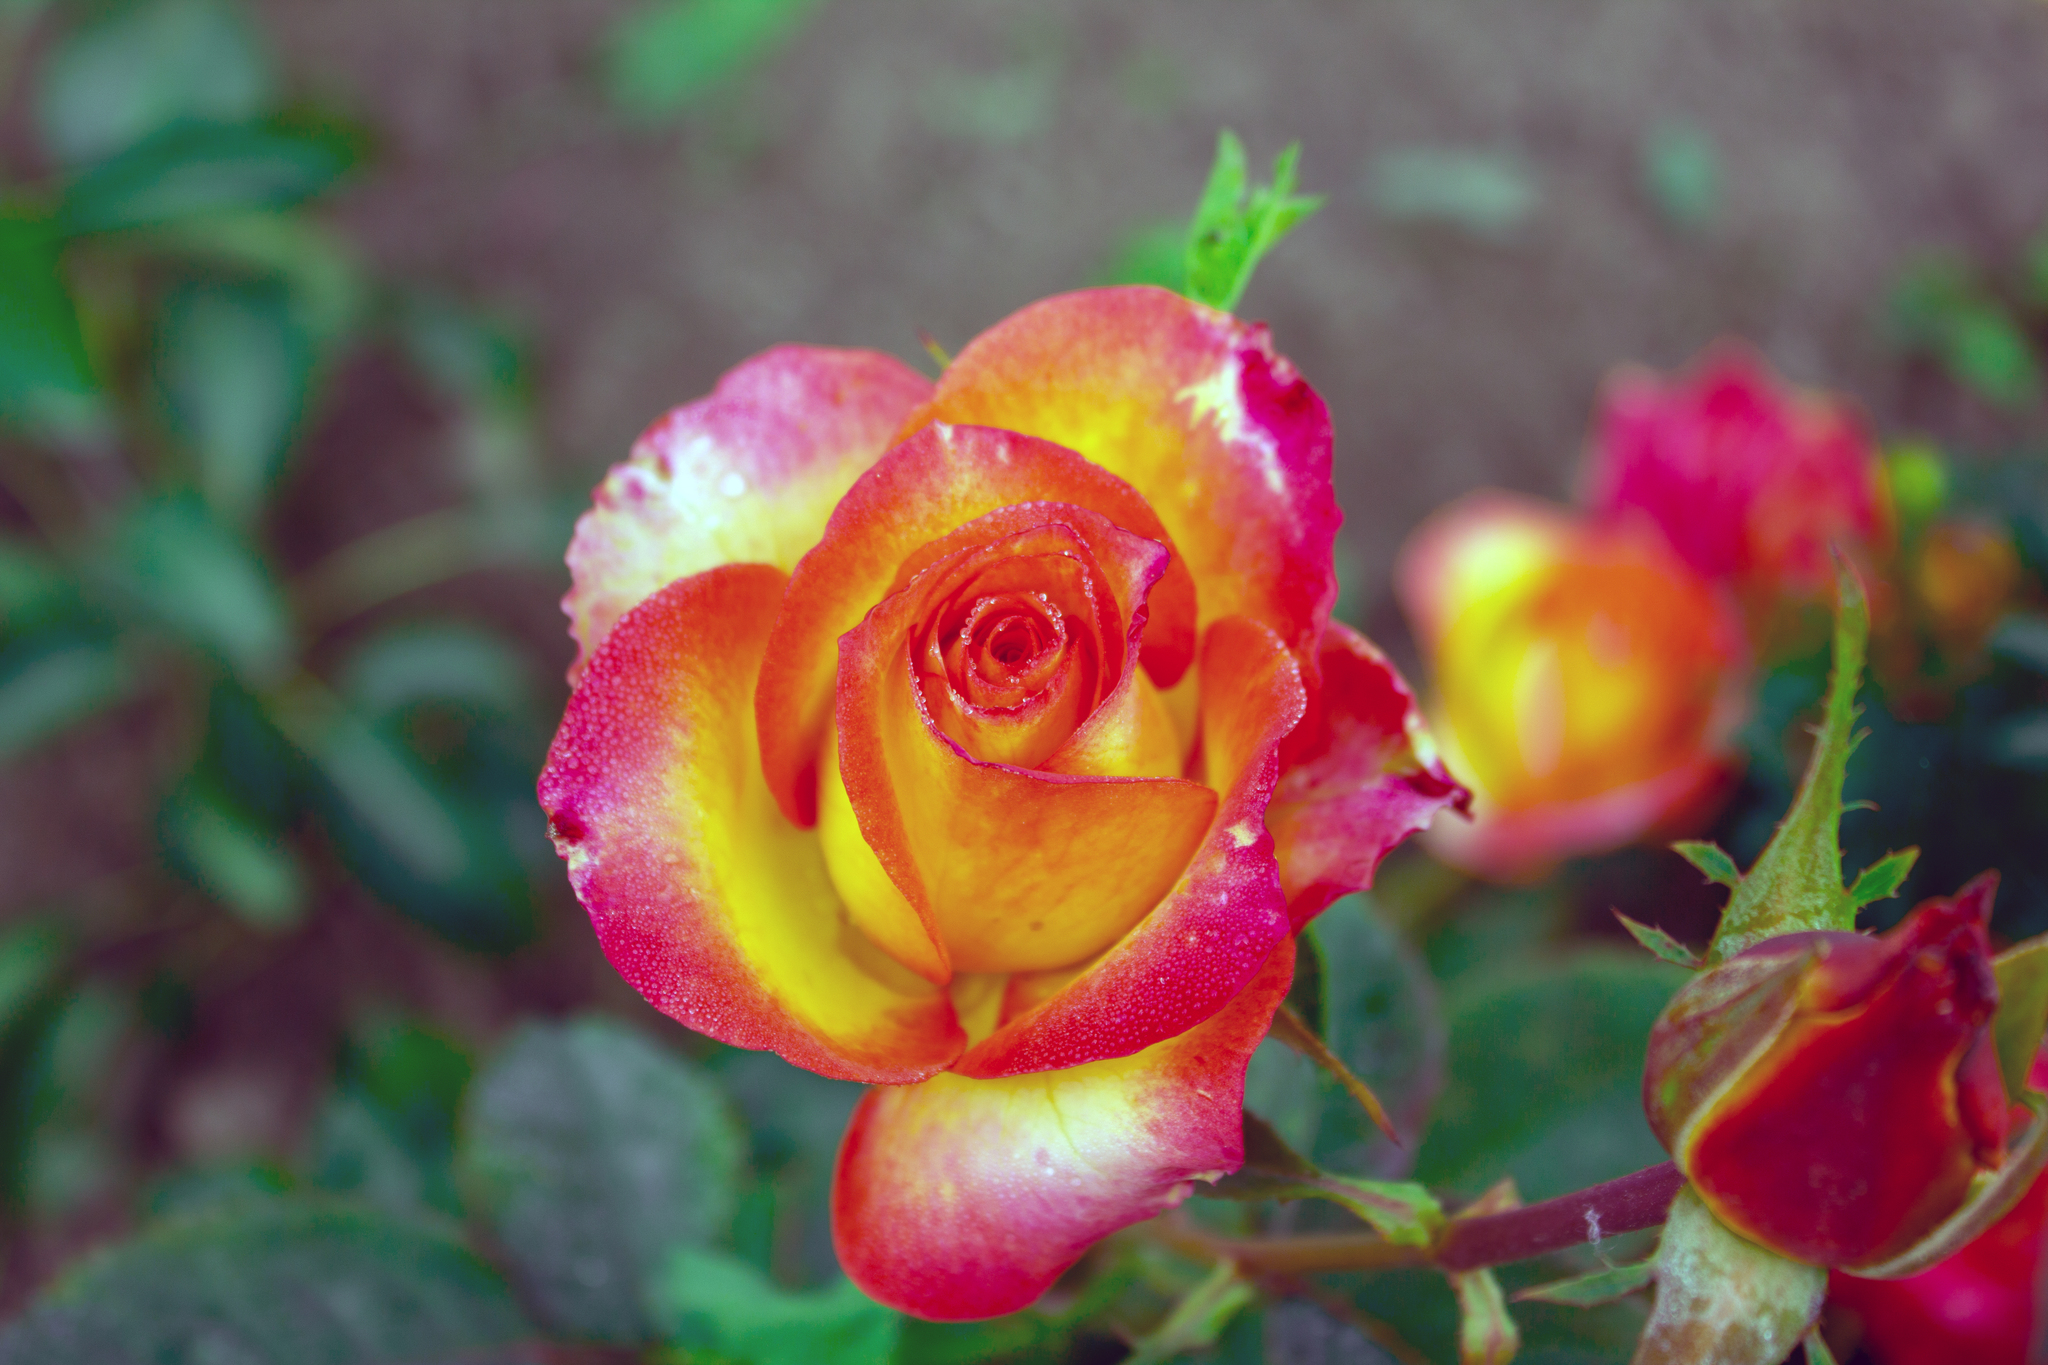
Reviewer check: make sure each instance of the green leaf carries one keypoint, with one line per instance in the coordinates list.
(31, 956)
(1150, 253)
(234, 369)
(670, 54)
(1817, 1351)
(1482, 193)
(1196, 1321)
(1796, 884)
(596, 1154)
(200, 580)
(1405, 1214)
(233, 858)
(1593, 1288)
(1546, 1074)
(387, 1133)
(1237, 223)
(327, 291)
(44, 691)
(2022, 1018)
(1682, 174)
(447, 661)
(144, 67)
(1712, 861)
(1939, 308)
(1661, 944)
(1381, 1016)
(192, 169)
(46, 379)
(1487, 1334)
(1722, 1300)
(281, 1283)
(1883, 878)
(702, 1299)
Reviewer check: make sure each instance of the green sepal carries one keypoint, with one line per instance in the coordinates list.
(1660, 944)
(1237, 223)
(1712, 861)
(2022, 1016)
(1487, 1334)
(1593, 1288)
(1197, 1320)
(1817, 1352)
(1401, 1211)
(1797, 884)
(1723, 1300)
(1991, 1197)
(1883, 878)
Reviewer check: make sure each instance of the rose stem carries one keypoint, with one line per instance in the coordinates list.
(1628, 1204)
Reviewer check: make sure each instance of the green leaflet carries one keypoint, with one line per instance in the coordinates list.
(1194, 1323)
(1593, 1288)
(1403, 1212)
(1237, 223)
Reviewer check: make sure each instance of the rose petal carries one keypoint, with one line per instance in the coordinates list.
(962, 1198)
(919, 492)
(747, 475)
(1370, 779)
(1192, 407)
(1011, 869)
(1201, 943)
(706, 899)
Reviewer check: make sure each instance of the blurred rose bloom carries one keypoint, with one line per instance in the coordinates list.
(1587, 682)
(986, 742)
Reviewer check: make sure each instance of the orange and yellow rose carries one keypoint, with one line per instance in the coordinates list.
(985, 741)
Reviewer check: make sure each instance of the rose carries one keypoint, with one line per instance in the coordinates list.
(1833, 1096)
(985, 742)
(1588, 684)
(1977, 1305)
(1752, 482)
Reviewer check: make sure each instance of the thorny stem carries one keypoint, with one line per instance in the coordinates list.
(1587, 1217)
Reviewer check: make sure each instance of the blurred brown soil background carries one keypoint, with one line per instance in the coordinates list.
(934, 164)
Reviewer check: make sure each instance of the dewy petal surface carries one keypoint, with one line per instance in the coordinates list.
(1012, 869)
(1207, 937)
(1368, 781)
(706, 899)
(1197, 412)
(748, 474)
(963, 1198)
(919, 492)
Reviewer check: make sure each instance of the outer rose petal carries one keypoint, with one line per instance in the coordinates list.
(1368, 780)
(962, 1198)
(748, 474)
(1221, 435)
(1223, 917)
(705, 898)
(920, 491)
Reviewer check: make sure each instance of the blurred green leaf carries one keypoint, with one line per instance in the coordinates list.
(236, 860)
(279, 1283)
(1592, 1289)
(234, 369)
(1682, 174)
(214, 1189)
(669, 54)
(1237, 223)
(44, 690)
(447, 661)
(1938, 308)
(1151, 253)
(702, 1299)
(200, 580)
(1484, 193)
(193, 169)
(595, 1154)
(327, 292)
(1381, 1016)
(141, 67)
(1546, 1069)
(64, 1152)
(794, 1120)
(1197, 1320)
(45, 378)
(30, 957)
(31, 585)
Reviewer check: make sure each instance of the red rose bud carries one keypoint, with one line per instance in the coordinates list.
(1832, 1095)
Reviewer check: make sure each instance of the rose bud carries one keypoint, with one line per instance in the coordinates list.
(1978, 1305)
(1588, 684)
(1752, 481)
(1832, 1095)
